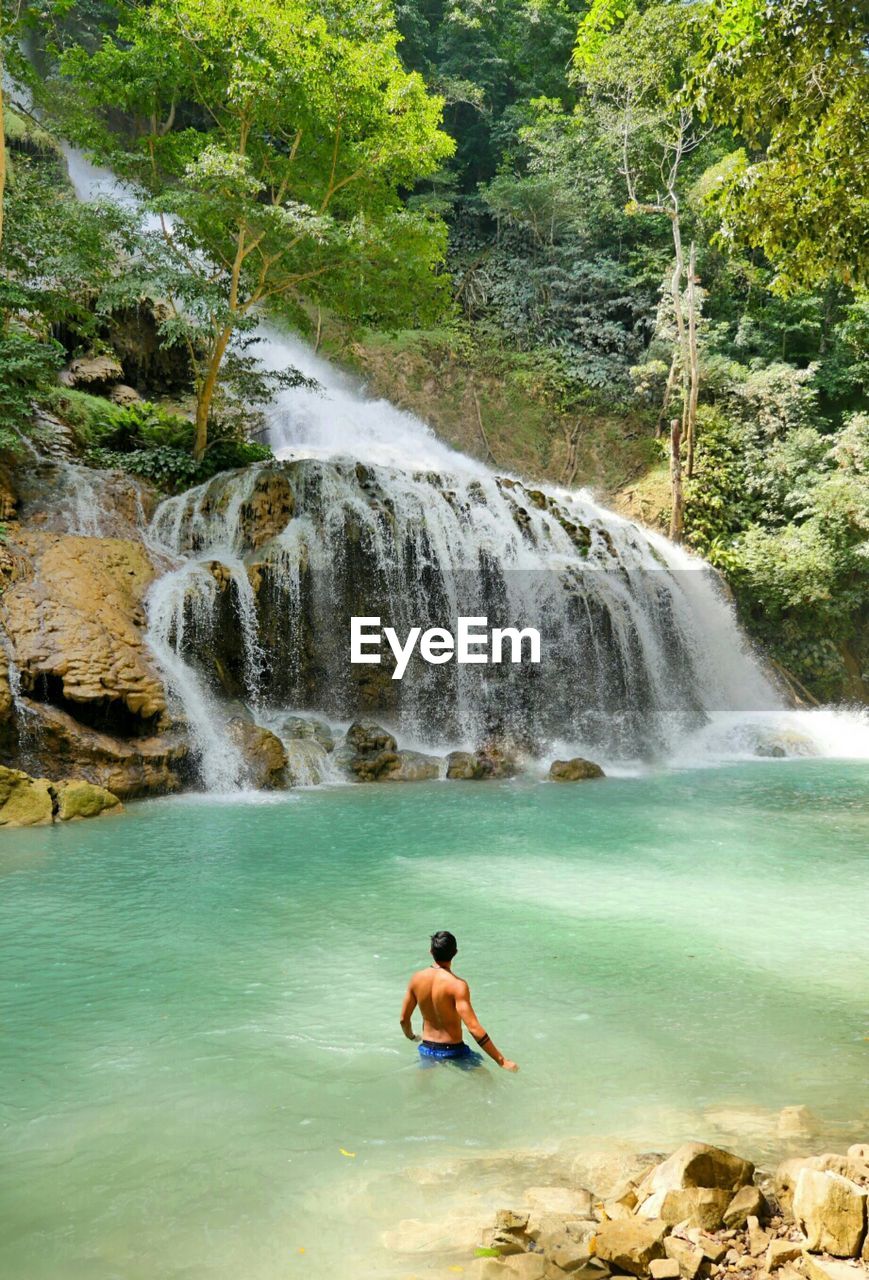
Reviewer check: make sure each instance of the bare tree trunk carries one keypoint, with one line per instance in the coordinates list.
(668, 391)
(694, 391)
(677, 509)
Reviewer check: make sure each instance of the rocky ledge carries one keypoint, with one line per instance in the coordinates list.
(33, 802)
(701, 1212)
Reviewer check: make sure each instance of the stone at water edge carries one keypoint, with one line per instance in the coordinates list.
(748, 1201)
(694, 1164)
(79, 799)
(697, 1206)
(575, 770)
(758, 1239)
(477, 766)
(831, 1268)
(308, 727)
(412, 766)
(631, 1244)
(24, 801)
(264, 754)
(367, 752)
(859, 1151)
(831, 1210)
(664, 1269)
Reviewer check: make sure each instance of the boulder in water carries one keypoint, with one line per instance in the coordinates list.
(79, 799)
(630, 1244)
(264, 754)
(490, 761)
(574, 770)
(24, 801)
(412, 766)
(784, 743)
(831, 1211)
(307, 727)
(368, 751)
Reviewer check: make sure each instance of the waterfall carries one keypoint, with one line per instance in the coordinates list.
(365, 511)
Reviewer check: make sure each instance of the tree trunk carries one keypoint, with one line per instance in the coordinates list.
(668, 391)
(677, 509)
(694, 362)
(2, 152)
(205, 393)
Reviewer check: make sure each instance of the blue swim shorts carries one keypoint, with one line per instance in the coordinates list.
(430, 1051)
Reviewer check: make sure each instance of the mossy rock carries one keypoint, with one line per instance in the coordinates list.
(80, 799)
(24, 801)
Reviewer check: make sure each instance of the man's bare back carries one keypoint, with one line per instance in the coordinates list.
(444, 1000)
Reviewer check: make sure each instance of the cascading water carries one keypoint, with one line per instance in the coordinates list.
(367, 512)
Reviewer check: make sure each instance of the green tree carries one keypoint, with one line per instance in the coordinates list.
(792, 78)
(274, 139)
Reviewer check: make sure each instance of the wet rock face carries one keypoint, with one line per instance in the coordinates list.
(89, 701)
(75, 624)
(476, 766)
(264, 754)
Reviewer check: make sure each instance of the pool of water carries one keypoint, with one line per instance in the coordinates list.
(201, 1070)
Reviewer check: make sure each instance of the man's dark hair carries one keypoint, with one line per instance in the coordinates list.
(443, 945)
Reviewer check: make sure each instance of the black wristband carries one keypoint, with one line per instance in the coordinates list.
(481, 1040)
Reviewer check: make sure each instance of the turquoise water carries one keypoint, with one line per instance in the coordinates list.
(200, 1003)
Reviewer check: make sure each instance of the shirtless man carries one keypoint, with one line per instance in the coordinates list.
(445, 1002)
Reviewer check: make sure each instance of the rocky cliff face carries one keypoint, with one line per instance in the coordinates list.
(80, 694)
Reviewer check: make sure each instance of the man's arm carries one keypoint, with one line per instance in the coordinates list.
(465, 1010)
(407, 1009)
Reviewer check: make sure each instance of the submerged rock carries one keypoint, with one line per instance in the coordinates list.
(575, 770)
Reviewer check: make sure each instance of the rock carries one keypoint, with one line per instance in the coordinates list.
(525, 1266)
(511, 1219)
(688, 1256)
(367, 752)
(560, 1200)
(412, 766)
(90, 373)
(127, 767)
(796, 1122)
(487, 1269)
(711, 1248)
(788, 1171)
(781, 1251)
(695, 1164)
(831, 1269)
(264, 754)
(570, 1253)
(24, 801)
(76, 623)
(785, 742)
(747, 1201)
(490, 761)
(664, 1269)
(80, 799)
(631, 1244)
(123, 395)
(307, 727)
(506, 1242)
(758, 1239)
(696, 1206)
(831, 1210)
(859, 1151)
(575, 770)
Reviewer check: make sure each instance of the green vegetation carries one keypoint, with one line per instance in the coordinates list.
(606, 241)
